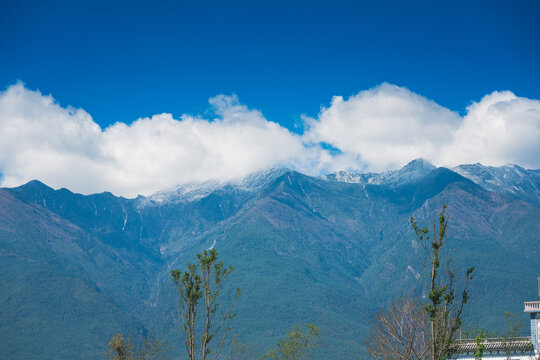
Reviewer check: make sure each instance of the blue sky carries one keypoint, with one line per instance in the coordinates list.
(133, 97)
(124, 60)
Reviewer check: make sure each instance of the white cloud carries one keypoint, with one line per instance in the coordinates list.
(499, 129)
(65, 148)
(387, 126)
(381, 128)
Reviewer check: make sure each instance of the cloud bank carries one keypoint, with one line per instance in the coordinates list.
(377, 129)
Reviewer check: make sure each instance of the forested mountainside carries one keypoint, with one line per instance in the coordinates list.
(329, 250)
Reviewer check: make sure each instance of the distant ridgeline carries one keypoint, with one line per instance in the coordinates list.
(514, 348)
(328, 250)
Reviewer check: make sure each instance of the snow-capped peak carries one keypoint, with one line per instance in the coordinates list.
(511, 179)
(199, 189)
(410, 173)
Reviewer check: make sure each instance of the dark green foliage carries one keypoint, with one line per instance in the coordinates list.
(47, 314)
(479, 348)
(474, 331)
(50, 303)
(297, 345)
(478, 334)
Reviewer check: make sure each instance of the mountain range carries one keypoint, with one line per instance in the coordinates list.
(330, 250)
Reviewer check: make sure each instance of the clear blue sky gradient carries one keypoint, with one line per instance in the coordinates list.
(124, 60)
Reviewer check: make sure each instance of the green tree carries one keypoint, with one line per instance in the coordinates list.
(122, 349)
(200, 286)
(512, 328)
(474, 331)
(446, 304)
(297, 345)
(479, 348)
(478, 334)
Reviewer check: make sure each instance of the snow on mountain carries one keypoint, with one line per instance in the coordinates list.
(410, 173)
(511, 179)
(198, 190)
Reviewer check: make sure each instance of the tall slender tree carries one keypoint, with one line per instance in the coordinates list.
(200, 288)
(410, 330)
(445, 305)
(297, 345)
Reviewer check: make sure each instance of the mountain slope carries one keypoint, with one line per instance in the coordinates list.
(352, 246)
(50, 307)
(327, 250)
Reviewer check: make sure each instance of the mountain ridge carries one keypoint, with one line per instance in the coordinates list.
(304, 248)
(492, 178)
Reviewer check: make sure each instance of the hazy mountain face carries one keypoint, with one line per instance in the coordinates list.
(331, 250)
